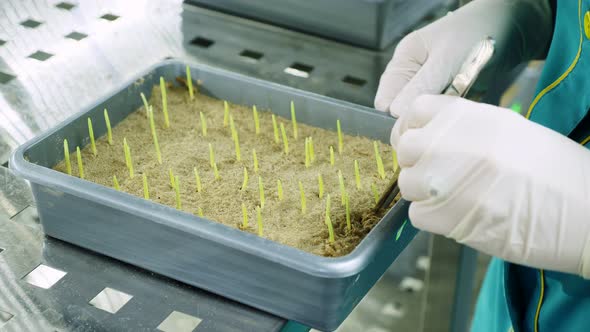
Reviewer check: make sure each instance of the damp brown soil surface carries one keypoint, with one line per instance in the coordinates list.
(184, 147)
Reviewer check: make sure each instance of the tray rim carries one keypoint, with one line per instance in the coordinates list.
(291, 257)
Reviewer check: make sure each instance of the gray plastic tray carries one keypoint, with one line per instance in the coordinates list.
(316, 291)
(373, 24)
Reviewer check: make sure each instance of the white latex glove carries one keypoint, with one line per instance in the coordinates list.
(426, 60)
(490, 179)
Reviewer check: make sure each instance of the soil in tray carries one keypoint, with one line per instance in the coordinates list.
(184, 147)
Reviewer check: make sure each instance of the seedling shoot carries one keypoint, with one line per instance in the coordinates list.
(357, 175)
(145, 103)
(146, 189)
(380, 168)
(128, 160)
(164, 102)
(294, 121)
(275, 129)
(394, 160)
(198, 180)
(237, 146)
(256, 120)
(321, 185)
(216, 172)
(67, 157)
(255, 159)
(171, 175)
(342, 188)
(225, 113)
(259, 220)
(347, 209)
(280, 189)
(80, 165)
(155, 136)
(177, 191)
(328, 205)
(330, 229)
(109, 130)
(91, 134)
(189, 82)
(375, 192)
(211, 156)
(261, 191)
(235, 138)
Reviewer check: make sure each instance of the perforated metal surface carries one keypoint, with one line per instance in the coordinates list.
(55, 58)
(59, 56)
(48, 285)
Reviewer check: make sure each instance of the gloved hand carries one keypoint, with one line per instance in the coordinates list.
(488, 178)
(426, 60)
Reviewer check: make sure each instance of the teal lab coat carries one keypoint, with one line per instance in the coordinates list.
(518, 298)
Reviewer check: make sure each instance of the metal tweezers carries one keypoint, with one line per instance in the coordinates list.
(474, 63)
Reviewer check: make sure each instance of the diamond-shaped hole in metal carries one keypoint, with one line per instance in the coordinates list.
(44, 276)
(354, 80)
(202, 42)
(109, 17)
(423, 263)
(76, 35)
(393, 309)
(411, 285)
(4, 79)
(65, 5)
(299, 69)
(40, 55)
(30, 23)
(5, 317)
(110, 300)
(179, 322)
(251, 56)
